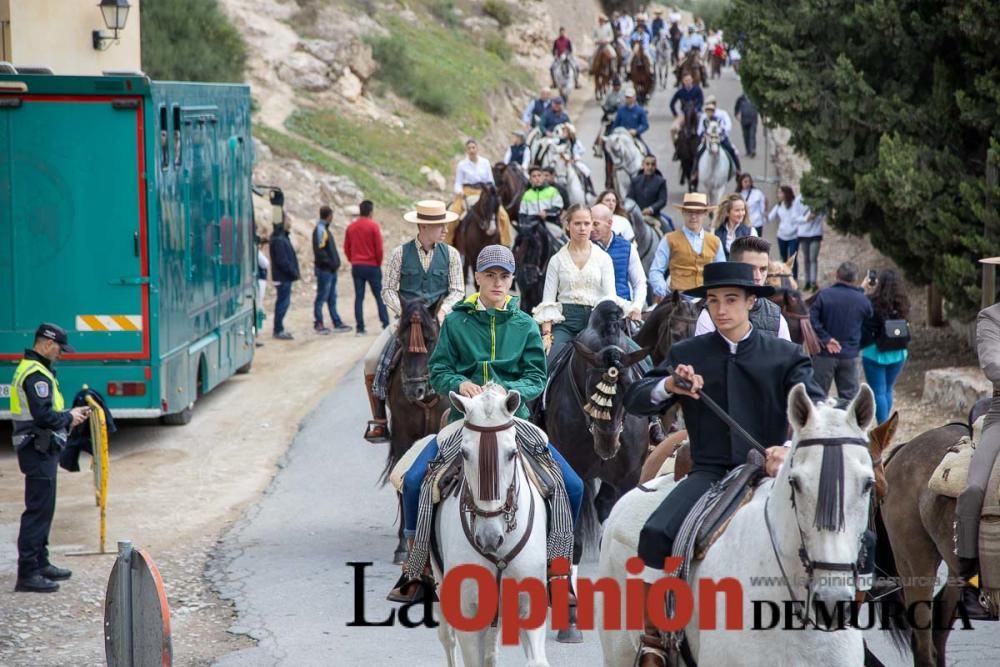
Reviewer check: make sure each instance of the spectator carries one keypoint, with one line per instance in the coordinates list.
(746, 112)
(363, 247)
(284, 272)
(789, 214)
(838, 315)
(810, 237)
(732, 222)
(327, 263)
(263, 264)
(756, 203)
(883, 358)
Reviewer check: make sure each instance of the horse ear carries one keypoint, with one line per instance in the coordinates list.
(881, 436)
(862, 408)
(457, 401)
(800, 407)
(632, 358)
(585, 352)
(513, 401)
(790, 262)
(675, 297)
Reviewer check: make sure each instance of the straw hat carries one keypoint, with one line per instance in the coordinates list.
(695, 201)
(430, 212)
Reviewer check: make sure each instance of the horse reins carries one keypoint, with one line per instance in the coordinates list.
(468, 510)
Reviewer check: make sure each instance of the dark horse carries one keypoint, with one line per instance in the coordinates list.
(533, 248)
(512, 182)
(640, 73)
(478, 228)
(675, 42)
(603, 71)
(686, 147)
(414, 408)
(672, 321)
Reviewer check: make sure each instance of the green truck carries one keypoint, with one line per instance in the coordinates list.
(126, 218)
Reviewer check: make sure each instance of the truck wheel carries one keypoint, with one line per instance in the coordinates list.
(245, 368)
(179, 418)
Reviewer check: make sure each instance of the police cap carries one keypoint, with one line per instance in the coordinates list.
(56, 334)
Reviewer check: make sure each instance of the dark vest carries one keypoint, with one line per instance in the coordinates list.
(537, 110)
(722, 231)
(517, 153)
(415, 283)
(766, 316)
(620, 250)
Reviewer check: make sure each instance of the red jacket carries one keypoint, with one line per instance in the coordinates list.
(363, 243)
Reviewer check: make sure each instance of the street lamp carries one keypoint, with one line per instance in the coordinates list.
(115, 13)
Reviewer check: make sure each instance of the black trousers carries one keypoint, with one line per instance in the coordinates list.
(39, 507)
(656, 541)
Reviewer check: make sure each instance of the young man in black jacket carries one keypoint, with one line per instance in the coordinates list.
(284, 271)
(327, 261)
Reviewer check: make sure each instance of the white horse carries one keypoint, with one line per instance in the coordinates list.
(663, 54)
(498, 515)
(626, 158)
(569, 177)
(564, 75)
(715, 167)
(816, 510)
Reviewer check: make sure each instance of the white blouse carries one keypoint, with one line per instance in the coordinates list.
(565, 283)
(621, 226)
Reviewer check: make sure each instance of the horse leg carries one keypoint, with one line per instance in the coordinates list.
(532, 641)
(402, 550)
(917, 565)
(604, 501)
(945, 605)
(446, 634)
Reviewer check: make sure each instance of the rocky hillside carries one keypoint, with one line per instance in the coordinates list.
(360, 98)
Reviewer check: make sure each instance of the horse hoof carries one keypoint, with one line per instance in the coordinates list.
(570, 636)
(399, 557)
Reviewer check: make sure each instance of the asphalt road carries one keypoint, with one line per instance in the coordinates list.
(285, 564)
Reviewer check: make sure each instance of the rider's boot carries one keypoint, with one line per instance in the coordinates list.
(378, 427)
(968, 569)
(408, 591)
(652, 650)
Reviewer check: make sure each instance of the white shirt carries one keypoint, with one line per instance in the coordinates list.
(604, 33)
(565, 283)
(788, 219)
(756, 206)
(468, 173)
(660, 393)
(731, 236)
(725, 122)
(706, 325)
(811, 228)
(675, 17)
(621, 226)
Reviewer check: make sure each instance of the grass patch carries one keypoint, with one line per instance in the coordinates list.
(389, 151)
(500, 11)
(285, 146)
(498, 46)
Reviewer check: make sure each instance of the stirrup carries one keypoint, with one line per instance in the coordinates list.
(372, 433)
(650, 653)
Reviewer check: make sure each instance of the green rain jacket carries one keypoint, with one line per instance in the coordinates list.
(503, 346)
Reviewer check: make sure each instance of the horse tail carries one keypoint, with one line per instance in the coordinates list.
(588, 528)
(390, 462)
(900, 632)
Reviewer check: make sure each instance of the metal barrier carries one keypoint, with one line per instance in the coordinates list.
(99, 463)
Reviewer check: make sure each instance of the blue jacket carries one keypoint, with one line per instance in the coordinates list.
(684, 95)
(550, 119)
(839, 311)
(631, 118)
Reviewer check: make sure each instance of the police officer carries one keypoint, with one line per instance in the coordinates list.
(41, 426)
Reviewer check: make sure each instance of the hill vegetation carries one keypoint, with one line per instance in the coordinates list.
(190, 40)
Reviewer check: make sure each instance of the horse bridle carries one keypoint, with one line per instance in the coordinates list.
(427, 406)
(469, 512)
(810, 565)
(617, 426)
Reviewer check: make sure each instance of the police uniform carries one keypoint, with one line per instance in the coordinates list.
(41, 427)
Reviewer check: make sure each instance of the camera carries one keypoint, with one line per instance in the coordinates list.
(872, 275)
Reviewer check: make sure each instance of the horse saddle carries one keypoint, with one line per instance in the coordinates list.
(952, 474)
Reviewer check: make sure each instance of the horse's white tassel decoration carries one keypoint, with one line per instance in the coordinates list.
(602, 399)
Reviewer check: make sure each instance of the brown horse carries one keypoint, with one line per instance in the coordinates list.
(512, 182)
(640, 73)
(675, 42)
(673, 320)
(603, 70)
(692, 65)
(686, 147)
(415, 409)
(478, 228)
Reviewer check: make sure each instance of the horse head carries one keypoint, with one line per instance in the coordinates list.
(831, 479)
(484, 209)
(417, 335)
(601, 349)
(489, 462)
(713, 135)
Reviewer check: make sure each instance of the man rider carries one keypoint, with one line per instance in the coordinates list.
(554, 115)
(766, 314)
(470, 174)
(609, 108)
(691, 41)
(630, 278)
(424, 268)
(641, 36)
(603, 36)
(736, 361)
(541, 199)
(709, 114)
(648, 189)
(632, 117)
(518, 153)
(684, 253)
(659, 25)
(486, 338)
(533, 112)
(550, 179)
(687, 94)
(560, 46)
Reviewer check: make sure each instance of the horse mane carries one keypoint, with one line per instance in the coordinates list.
(604, 327)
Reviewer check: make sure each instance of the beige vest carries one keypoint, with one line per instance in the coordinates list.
(687, 270)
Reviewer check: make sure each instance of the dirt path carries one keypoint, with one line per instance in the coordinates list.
(173, 490)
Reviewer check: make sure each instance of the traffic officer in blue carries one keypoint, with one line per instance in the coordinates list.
(41, 426)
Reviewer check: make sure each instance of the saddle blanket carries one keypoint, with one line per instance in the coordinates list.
(952, 474)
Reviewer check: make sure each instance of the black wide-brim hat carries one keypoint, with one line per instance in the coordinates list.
(729, 274)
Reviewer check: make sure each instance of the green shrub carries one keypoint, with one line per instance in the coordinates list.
(499, 10)
(444, 11)
(190, 40)
(393, 58)
(498, 46)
